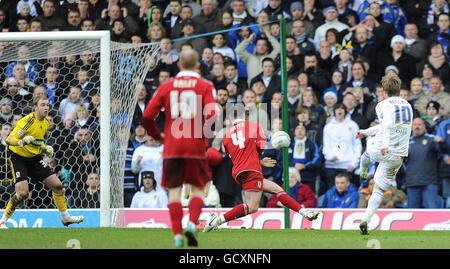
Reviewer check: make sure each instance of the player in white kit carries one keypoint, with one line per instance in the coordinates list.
(387, 143)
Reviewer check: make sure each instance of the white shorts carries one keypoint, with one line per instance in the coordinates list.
(388, 166)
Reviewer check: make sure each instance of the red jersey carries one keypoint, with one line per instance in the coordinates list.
(184, 99)
(244, 142)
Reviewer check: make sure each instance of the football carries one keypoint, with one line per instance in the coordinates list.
(280, 140)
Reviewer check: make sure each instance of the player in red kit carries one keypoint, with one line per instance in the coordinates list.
(244, 142)
(188, 102)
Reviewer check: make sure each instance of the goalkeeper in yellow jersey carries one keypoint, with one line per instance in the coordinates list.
(26, 143)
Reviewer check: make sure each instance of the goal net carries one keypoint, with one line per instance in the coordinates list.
(85, 84)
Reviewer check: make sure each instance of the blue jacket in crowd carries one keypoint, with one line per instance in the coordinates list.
(423, 160)
(349, 199)
(444, 132)
(311, 161)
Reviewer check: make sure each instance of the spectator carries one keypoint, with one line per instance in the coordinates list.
(20, 97)
(171, 19)
(362, 45)
(438, 62)
(156, 32)
(359, 79)
(30, 67)
(417, 90)
(186, 14)
(340, 148)
(317, 114)
(239, 13)
(21, 25)
(187, 30)
(312, 14)
(392, 198)
(148, 157)
(6, 111)
(444, 169)
(342, 195)
(48, 18)
(431, 118)
(346, 15)
(209, 17)
(262, 51)
(438, 15)
(149, 196)
(113, 13)
(331, 21)
(81, 155)
(422, 177)
(219, 46)
(73, 20)
(415, 46)
(442, 35)
(85, 83)
(350, 103)
(302, 39)
(345, 64)
(86, 9)
(337, 84)
(270, 79)
(35, 25)
(52, 86)
(90, 63)
(318, 77)
(231, 75)
(305, 156)
(69, 104)
(400, 59)
(297, 12)
(130, 182)
(302, 193)
(87, 24)
(88, 196)
(330, 99)
(396, 15)
(436, 94)
(276, 11)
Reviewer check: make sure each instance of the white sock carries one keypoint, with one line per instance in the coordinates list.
(374, 202)
(220, 220)
(64, 214)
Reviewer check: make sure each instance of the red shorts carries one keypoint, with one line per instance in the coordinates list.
(250, 180)
(177, 172)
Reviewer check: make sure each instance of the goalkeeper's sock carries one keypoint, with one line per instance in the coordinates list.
(195, 208)
(13, 203)
(288, 202)
(61, 204)
(374, 202)
(237, 212)
(176, 214)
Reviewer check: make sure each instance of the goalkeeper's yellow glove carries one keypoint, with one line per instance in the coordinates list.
(49, 151)
(26, 140)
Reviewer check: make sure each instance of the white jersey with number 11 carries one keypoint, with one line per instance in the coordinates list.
(395, 116)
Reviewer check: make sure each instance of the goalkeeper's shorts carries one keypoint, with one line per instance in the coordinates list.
(34, 168)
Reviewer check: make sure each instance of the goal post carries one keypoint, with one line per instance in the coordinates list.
(110, 54)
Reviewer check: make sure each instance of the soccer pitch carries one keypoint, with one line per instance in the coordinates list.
(144, 238)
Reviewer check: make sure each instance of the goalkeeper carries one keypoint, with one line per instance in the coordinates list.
(26, 142)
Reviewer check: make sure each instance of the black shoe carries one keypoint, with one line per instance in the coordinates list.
(363, 227)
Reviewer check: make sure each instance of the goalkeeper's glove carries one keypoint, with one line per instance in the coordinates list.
(49, 151)
(26, 140)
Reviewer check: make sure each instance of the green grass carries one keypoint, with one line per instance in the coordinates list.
(131, 238)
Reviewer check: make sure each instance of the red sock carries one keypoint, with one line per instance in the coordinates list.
(288, 202)
(237, 212)
(195, 208)
(176, 214)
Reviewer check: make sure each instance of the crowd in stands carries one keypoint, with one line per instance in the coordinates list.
(336, 53)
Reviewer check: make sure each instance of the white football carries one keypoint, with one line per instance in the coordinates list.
(280, 140)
